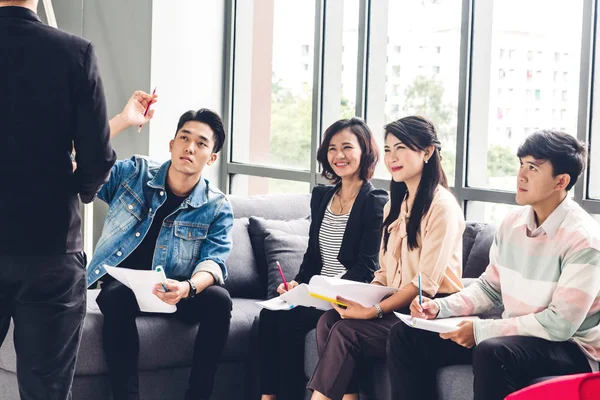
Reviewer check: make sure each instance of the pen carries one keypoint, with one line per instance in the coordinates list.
(282, 276)
(161, 271)
(420, 291)
(147, 108)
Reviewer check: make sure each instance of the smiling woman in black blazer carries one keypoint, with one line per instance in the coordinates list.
(344, 241)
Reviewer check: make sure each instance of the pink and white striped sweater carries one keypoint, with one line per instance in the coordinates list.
(547, 278)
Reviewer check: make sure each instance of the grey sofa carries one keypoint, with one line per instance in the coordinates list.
(165, 346)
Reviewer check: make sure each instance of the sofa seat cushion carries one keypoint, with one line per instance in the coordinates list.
(164, 341)
(455, 382)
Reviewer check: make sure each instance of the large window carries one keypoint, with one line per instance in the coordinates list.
(487, 73)
(492, 213)
(273, 80)
(256, 185)
(348, 68)
(594, 163)
(525, 76)
(421, 70)
(340, 49)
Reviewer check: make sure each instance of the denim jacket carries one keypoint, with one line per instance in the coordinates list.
(196, 237)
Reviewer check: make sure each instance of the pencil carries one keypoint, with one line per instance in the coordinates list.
(328, 299)
(147, 108)
(285, 284)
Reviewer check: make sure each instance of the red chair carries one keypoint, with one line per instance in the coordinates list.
(570, 387)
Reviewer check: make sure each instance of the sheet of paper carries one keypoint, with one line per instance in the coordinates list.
(363, 293)
(142, 283)
(275, 304)
(298, 296)
(119, 274)
(443, 325)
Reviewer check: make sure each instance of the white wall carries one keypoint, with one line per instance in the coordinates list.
(187, 67)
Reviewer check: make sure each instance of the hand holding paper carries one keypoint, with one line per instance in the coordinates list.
(142, 284)
(354, 310)
(173, 293)
(464, 335)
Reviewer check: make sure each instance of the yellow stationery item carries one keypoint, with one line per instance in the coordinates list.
(328, 299)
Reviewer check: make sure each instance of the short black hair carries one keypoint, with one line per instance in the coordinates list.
(366, 140)
(208, 117)
(566, 154)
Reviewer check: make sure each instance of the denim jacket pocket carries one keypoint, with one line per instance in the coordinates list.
(189, 238)
(127, 211)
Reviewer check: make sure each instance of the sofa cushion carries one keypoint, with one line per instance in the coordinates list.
(469, 235)
(244, 280)
(289, 250)
(257, 229)
(479, 256)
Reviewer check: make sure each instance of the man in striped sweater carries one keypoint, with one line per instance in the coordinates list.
(544, 269)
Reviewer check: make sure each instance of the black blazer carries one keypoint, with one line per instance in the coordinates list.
(51, 96)
(359, 252)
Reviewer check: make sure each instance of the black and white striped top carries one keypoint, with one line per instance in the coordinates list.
(330, 240)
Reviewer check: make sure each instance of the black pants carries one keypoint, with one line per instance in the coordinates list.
(46, 298)
(501, 365)
(281, 350)
(211, 308)
(343, 345)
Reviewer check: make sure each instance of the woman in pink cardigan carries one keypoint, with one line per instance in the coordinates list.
(422, 233)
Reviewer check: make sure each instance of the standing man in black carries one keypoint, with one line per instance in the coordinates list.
(51, 98)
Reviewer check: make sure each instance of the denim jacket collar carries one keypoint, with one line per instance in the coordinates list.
(195, 199)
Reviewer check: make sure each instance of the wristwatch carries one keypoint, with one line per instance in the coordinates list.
(192, 292)
(379, 311)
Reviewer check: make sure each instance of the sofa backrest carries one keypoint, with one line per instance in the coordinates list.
(245, 278)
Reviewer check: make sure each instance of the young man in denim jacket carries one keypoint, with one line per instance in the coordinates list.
(166, 215)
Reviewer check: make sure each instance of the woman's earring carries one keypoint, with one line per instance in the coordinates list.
(426, 161)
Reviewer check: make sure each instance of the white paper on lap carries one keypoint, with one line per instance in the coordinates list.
(142, 283)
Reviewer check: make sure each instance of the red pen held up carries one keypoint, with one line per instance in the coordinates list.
(282, 277)
(147, 108)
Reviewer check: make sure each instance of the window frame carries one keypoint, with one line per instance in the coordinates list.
(372, 52)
